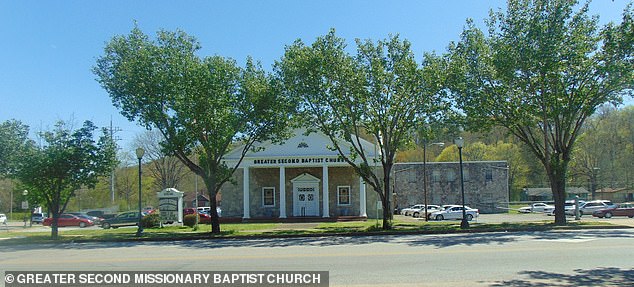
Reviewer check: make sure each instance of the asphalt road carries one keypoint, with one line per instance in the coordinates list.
(570, 258)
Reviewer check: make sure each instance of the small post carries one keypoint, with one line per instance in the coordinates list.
(577, 215)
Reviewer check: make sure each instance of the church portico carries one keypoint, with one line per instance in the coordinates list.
(286, 192)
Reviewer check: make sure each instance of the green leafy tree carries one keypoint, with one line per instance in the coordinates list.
(14, 141)
(541, 71)
(66, 161)
(201, 106)
(381, 94)
(603, 155)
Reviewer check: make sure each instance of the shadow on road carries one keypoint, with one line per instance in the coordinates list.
(438, 241)
(604, 276)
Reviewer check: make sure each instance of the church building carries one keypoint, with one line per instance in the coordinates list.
(303, 178)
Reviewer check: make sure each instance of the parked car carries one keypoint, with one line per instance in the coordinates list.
(188, 211)
(66, 219)
(129, 218)
(96, 220)
(591, 206)
(623, 209)
(537, 207)
(207, 209)
(38, 217)
(569, 207)
(100, 214)
(204, 217)
(3, 218)
(431, 208)
(410, 210)
(455, 212)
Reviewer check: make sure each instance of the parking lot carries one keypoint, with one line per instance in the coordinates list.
(532, 217)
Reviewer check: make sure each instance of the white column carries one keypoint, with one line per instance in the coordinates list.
(325, 191)
(282, 192)
(362, 208)
(245, 193)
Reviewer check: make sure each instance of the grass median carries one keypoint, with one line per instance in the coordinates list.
(271, 230)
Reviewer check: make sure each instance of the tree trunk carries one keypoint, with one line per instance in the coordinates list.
(54, 228)
(212, 189)
(557, 176)
(387, 209)
(54, 212)
(215, 222)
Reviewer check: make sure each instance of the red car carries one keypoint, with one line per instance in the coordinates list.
(203, 216)
(623, 209)
(68, 220)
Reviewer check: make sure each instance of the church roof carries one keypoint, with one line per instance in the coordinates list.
(301, 144)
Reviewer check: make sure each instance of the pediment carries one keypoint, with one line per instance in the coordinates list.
(305, 177)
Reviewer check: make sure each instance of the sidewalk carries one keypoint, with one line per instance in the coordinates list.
(18, 226)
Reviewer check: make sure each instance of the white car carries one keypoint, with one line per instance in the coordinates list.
(418, 212)
(455, 212)
(537, 207)
(409, 210)
(569, 207)
(3, 218)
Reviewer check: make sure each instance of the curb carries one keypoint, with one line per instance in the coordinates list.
(209, 236)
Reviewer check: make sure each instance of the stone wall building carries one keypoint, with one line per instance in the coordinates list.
(485, 184)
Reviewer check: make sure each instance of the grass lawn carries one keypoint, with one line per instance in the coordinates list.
(25, 236)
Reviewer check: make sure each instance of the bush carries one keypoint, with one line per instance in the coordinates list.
(151, 220)
(190, 220)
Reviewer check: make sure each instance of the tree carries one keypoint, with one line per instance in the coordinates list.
(67, 161)
(380, 93)
(201, 106)
(541, 71)
(603, 155)
(167, 171)
(127, 179)
(14, 141)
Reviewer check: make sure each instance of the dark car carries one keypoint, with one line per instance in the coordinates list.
(66, 219)
(623, 209)
(130, 218)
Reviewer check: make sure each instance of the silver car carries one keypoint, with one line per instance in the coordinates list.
(592, 206)
(455, 212)
(418, 212)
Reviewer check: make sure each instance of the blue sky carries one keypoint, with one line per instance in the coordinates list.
(47, 48)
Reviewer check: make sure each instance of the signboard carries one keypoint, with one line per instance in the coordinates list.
(170, 205)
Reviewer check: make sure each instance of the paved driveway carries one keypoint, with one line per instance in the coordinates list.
(533, 217)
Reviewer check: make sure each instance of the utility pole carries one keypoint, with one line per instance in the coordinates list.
(112, 132)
